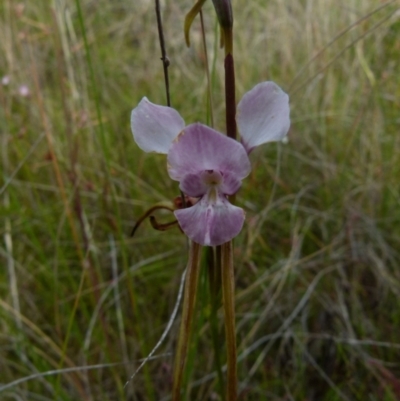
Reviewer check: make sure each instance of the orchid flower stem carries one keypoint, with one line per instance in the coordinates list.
(228, 294)
(189, 301)
(214, 276)
(227, 269)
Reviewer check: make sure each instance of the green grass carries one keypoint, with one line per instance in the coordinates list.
(317, 264)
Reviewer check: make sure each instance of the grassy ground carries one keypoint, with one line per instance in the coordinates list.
(318, 278)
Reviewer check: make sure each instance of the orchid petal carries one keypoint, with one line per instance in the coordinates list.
(155, 127)
(263, 115)
(199, 148)
(193, 185)
(230, 185)
(211, 223)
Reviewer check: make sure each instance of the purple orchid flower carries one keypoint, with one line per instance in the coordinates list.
(209, 165)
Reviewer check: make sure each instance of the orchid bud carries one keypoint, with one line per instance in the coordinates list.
(223, 8)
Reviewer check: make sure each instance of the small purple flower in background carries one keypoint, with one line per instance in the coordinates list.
(5, 80)
(24, 91)
(209, 165)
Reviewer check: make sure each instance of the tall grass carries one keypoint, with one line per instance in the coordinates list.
(318, 278)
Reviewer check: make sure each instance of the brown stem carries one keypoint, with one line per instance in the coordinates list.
(164, 58)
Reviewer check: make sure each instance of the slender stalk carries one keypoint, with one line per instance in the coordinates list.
(214, 275)
(227, 270)
(189, 302)
(228, 294)
(213, 259)
(164, 58)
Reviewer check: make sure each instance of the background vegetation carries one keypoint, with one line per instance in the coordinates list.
(318, 278)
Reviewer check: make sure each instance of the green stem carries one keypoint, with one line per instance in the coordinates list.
(228, 294)
(189, 301)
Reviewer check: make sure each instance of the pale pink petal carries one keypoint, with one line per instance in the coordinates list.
(263, 115)
(154, 127)
(211, 223)
(199, 148)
